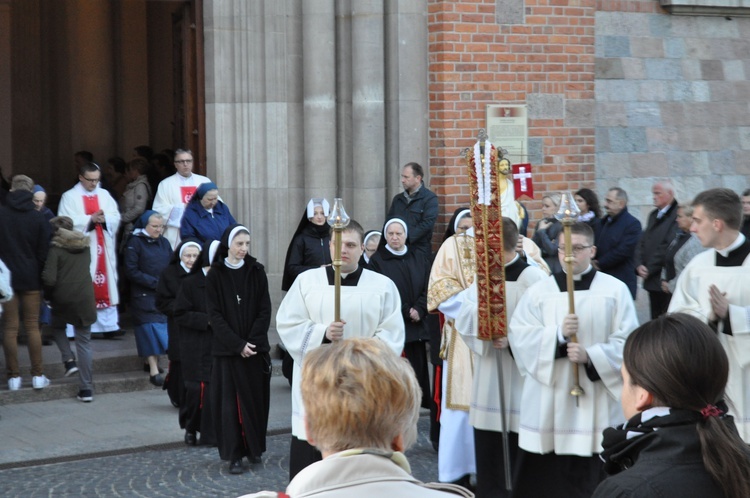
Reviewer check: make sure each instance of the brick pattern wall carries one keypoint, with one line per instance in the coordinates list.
(546, 61)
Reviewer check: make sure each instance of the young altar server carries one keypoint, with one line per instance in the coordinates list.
(559, 434)
(715, 287)
(493, 363)
(370, 306)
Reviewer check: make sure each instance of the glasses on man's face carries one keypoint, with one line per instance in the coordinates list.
(184, 161)
(91, 180)
(576, 249)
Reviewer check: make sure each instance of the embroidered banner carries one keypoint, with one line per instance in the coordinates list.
(186, 193)
(488, 241)
(522, 180)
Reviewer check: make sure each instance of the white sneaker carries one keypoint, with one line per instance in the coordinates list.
(39, 382)
(14, 383)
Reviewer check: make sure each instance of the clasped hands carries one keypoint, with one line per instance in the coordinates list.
(576, 351)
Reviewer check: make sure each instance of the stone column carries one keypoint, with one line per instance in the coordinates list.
(366, 181)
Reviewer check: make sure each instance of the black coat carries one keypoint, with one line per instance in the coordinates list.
(166, 292)
(615, 247)
(420, 213)
(667, 462)
(195, 339)
(309, 249)
(548, 242)
(410, 273)
(145, 260)
(235, 324)
(652, 248)
(24, 241)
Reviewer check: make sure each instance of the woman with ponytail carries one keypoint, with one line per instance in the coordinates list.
(679, 440)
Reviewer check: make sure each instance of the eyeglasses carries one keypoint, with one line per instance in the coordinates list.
(92, 180)
(184, 161)
(576, 249)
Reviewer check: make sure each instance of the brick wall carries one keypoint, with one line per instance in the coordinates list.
(546, 62)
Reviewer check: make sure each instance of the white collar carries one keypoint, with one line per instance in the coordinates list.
(397, 253)
(734, 245)
(579, 276)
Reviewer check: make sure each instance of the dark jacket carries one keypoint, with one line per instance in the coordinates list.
(145, 260)
(548, 242)
(615, 247)
(309, 249)
(67, 278)
(24, 241)
(667, 462)
(410, 273)
(233, 324)
(197, 223)
(419, 212)
(195, 339)
(652, 248)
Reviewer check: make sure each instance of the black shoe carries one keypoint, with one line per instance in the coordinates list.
(70, 367)
(156, 380)
(256, 459)
(190, 438)
(147, 368)
(236, 467)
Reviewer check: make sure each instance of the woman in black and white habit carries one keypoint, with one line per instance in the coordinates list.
(239, 311)
(410, 272)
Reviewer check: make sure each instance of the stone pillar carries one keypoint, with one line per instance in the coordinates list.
(365, 182)
(319, 100)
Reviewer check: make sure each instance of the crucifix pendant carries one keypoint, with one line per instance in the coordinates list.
(238, 299)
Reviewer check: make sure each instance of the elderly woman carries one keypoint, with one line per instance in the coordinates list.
(239, 311)
(410, 272)
(309, 245)
(170, 280)
(684, 247)
(548, 230)
(206, 216)
(679, 440)
(191, 315)
(147, 254)
(136, 197)
(362, 435)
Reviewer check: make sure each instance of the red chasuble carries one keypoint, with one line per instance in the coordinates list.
(101, 281)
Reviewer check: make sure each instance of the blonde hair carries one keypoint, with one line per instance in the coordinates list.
(358, 394)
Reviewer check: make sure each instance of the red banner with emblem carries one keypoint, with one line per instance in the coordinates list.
(522, 181)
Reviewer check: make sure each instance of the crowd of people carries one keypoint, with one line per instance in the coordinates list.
(196, 294)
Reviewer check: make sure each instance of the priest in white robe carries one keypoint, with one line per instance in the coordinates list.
(715, 287)
(559, 441)
(493, 363)
(370, 307)
(175, 192)
(453, 271)
(95, 213)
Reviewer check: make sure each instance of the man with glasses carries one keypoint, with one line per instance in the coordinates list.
(175, 192)
(559, 434)
(94, 212)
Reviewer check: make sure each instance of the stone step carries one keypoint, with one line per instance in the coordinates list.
(116, 374)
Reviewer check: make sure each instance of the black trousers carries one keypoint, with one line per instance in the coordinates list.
(301, 454)
(488, 448)
(658, 302)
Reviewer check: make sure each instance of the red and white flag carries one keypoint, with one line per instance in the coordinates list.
(522, 183)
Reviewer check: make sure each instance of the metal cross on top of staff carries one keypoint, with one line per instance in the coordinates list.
(568, 214)
(338, 220)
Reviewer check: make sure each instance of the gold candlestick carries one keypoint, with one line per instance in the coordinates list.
(338, 219)
(568, 214)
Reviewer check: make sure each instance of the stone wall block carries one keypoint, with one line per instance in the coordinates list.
(616, 46)
(633, 69)
(643, 114)
(647, 47)
(631, 139)
(545, 106)
(606, 69)
(611, 114)
(663, 69)
(579, 113)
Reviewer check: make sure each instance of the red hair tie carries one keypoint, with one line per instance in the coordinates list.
(711, 411)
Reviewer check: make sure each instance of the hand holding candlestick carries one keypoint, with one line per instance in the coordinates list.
(567, 214)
